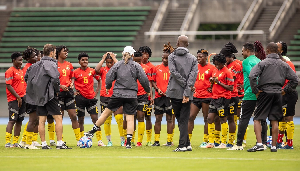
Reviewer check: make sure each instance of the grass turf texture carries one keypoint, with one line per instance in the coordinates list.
(147, 158)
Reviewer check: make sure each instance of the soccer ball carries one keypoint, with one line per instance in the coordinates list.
(85, 142)
(269, 141)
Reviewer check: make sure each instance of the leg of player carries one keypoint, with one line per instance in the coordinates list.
(17, 131)
(8, 134)
(224, 130)
(194, 111)
(257, 130)
(23, 140)
(51, 130)
(141, 127)
(59, 132)
(232, 129)
(94, 118)
(264, 133)
(130, 128)
(107, 130)
(81, 124)
(170, 129)
(211, 128)
(205, 107)
(274, 133)
(75, 125)
(157, 129)
(119, 119)
(35, 134)
(33, 119)
(148, 127)
(217, 131)
(290, 132)
(42, 120)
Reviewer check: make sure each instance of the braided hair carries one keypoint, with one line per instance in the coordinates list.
(229, 49)
(168, 48)
(28, 52)
(203, 51)
(284, 48)
(259, 49)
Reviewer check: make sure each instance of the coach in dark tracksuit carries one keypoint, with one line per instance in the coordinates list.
(267, 79)
(183, 71)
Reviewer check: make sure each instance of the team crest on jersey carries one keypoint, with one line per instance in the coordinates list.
(160, 70)
(13, 116)
(206, 72)
(220, 74)
(90, 73)
(68, 67)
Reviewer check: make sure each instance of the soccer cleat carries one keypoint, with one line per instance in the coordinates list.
(168, 144)
(22, 143)
(52, 143)
(156, 143)
(273, 150)
(109, 144)
(235, 147)
(128, 146)
(189, 148)
(46, 147)
(288, 147)
(256, 148)
(216, 144)
(279, 145)
(178, 149)
(35, 143)
(222, 145)
(31, 147)
(149, 144)
(229, 145)
(138, 144)
(100, 143)
(122, 143)
(89, 134)
(16, 145)
(210, 145)
(203, 145)
(7, 145)
(63, 146)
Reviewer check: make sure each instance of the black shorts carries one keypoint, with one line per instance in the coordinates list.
(198, 101)
(162, 105)
(83, 103)
(240, 102)
(50, 108)
(248, 107)
(143, 103)
(289, 101)
(219, 106)
(233, 105)
(66, 99)
(129, 104)
(269, 105)
(103, 102)
(16, 113)
(30, 108)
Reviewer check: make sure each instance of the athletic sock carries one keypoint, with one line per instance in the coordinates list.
(82, 133)
(29, 138)
(290, 132)
(44, 143)
(62, 137)
(235, 121)
(190, 136)
(15, 139)
(119, 120)
(77, 134)
(172, 135)
(224, 129)
(217, 136)
(149, 135)
(60, 143)
(129, 138)
(133, 136)
(231, 138)
(99, 135)
(141, 130)
(24, 133)
(245, 136)
(211, 133)
(51, 130)
(124, 133)
(35, 136)
(7, 137)
(279, 139)
(157, 137)
(282, 126)
(107, 127)
(260, 144)
(169, 138)
(205, 138)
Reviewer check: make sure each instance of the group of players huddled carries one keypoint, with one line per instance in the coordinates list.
(219, 90)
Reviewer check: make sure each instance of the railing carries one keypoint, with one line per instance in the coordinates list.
(189, 15)
(247, 15)
(278, 15)
(213, 33)
(159, 17)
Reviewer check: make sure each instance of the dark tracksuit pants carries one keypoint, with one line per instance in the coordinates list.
(248, 107)
(182, 114)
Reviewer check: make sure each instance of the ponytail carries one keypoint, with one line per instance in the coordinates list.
(126, 57)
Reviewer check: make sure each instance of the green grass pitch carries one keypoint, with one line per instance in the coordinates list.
(147, 158)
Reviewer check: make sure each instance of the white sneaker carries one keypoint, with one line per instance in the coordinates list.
(183, 149)
(31, 147)
(235, 147)
(100, 143)
(22, 143)
(222, 145)
(189, 148)
(35, 143)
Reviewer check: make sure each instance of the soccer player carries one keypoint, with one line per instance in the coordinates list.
(31, 130)
(272, 73)
(202, 95)
(42, 88)
(162, 104)
(143, 102)
(222, 82)
(289, 100)
(66, 95)
(236, 70)
(110, 59)
(125, 73)
(85, 96)
(146, 54)
(15, 91)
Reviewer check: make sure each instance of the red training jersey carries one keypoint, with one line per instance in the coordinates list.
(65, 70)
(84, 82)
(161, 75)
(293, 68)
(225, 77)
(236, 70)
(103, 72)
(240, 79)
(141, 90)
(202, 81)
(15, 78)
(151, 68)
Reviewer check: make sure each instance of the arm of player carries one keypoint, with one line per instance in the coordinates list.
(99, 65)
(98, 87)
(293, 80)
(143, 79)
(191, 79)
(174, 73)
(254, 73)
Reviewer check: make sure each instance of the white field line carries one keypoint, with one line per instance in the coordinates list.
(149, 157)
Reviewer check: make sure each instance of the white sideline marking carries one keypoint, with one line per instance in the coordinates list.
(149, 157)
